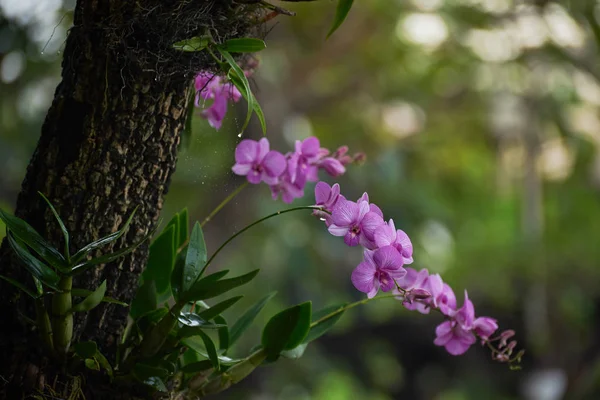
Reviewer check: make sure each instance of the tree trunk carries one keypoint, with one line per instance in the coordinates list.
(108, 145)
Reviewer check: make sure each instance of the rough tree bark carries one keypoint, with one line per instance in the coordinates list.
(109, 144)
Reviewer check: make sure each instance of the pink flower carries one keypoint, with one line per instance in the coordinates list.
(387, 235)
(355, 222)
(455, 335)
(415, 281)
(216, 112)
(327, 197)
(332, 166)
(209, 86)
(442, 295)
(484, 327)
(379, 269)
(257, 163)
(286, 188)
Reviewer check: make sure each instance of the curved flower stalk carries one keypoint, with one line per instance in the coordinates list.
(386, 252)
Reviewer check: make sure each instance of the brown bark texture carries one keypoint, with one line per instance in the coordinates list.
(108, 145)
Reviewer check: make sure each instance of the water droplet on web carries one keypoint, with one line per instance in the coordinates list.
(240, 134)
(188, 278)
(42, 53)
(322, 219)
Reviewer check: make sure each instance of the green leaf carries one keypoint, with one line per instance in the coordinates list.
(161, 259)
(327, 317)
(296, 352)
(183, 227)
(244, 89)
(92, 364)
(286, 330)
(84, 251)
(210, 349)
(197, 366)
(205, 289)
(150, 319)
(195, 259)
(63, 228)
(35, 267)
(144, 301)
(243, 45)
(86, 349)
(238, 83)
(104, 363)
(341, 12)
(106, 258)
(223, 333)
(195, 343)
(192, 323)
(92, 300)
(26, 234)
(20, 286)
(217, 309)
(177, 274)
(196, 43)
(85, 292)
(247, 318)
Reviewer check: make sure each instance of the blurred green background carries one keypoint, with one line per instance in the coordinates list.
(480, 120)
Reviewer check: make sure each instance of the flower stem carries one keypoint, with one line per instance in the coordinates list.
(223, 203)
(349, 306)
(258, 222)
(62, 317)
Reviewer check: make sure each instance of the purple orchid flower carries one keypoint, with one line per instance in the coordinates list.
(257, 163)
(442, 296)
(379, 269)
(216, 112)
(455, 335)
(286, 188)
(484, 327)
(327, 197)
(415, 281)
(301, 166)
(387, 235)
(356, 222)
(332, 166)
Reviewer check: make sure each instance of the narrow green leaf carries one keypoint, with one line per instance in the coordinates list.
(183, 226)
(210, 349)
(63, 228)
(174, 222)
(197, 366)
(296, 352)
(196, 43)
(222, 332)
(191, 320)
(341, 12)
(195, 258)
(189, 331)
(144, 301)
(104, 363)
(243, 45)
(150, 319)
(195, 343)
(327, 318)
(106, 258)
(286, 330)
(92, 300)
(177, 274)
(245, 85)
(20, 286)
(86, 349)
(84, 251)
(204, 289)
(247, 318)
(218, 308)
(161, 259)
(26, 234)
(250, 99)
(105, 299)
(35, 267)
